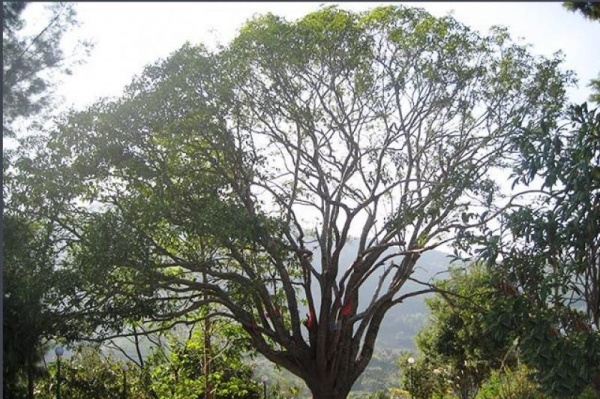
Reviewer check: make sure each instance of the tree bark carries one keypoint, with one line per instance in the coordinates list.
(30, 379)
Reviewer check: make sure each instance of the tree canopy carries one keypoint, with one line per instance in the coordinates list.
(238, 177)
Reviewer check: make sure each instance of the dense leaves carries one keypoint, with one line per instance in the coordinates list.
(549, 278)
(26, 320)
(219, 369)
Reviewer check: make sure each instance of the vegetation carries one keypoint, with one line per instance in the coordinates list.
(460, 341)
(275, 194)
(385, 123)
(30, 281)
(548, 291)
(210, 361)
(176, 370)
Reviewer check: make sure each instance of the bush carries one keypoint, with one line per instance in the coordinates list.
(510, 384)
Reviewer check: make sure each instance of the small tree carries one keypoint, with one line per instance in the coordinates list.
(418, 378)
(239, 178)
(89, 374)
(460, 341)
(180, 372)
(548, 283)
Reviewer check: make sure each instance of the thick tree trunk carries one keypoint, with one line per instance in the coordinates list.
(324, 393)
(30, 379)
(329, 387)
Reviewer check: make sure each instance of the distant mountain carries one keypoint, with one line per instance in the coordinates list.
(403, 321)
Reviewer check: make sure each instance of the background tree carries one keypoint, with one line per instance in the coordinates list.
(31, 64)
(239, 177)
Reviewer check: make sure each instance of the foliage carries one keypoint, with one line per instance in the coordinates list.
(31, 286)
(595, 85)
(88, 374)
(177, 370)
(589, 9)
(182, 372)
(31, 64)
(253, 166)
(24, 319)
(421, 379)
(459, 341)
(548, 283)
(32, 290)
(510, 383)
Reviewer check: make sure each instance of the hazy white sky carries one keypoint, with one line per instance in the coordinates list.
(129, 36)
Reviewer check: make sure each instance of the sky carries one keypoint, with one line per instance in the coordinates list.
(130, 35)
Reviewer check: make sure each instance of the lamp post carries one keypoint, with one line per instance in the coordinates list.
(59, 352)
(124, 368)
(411, 361)
(264, 380)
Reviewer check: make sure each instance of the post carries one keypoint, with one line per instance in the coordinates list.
(411, 360)
(124, 368)
(59, 352)
(264, 380)
(58, 377)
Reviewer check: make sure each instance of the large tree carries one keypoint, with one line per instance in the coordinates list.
(239, 177)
